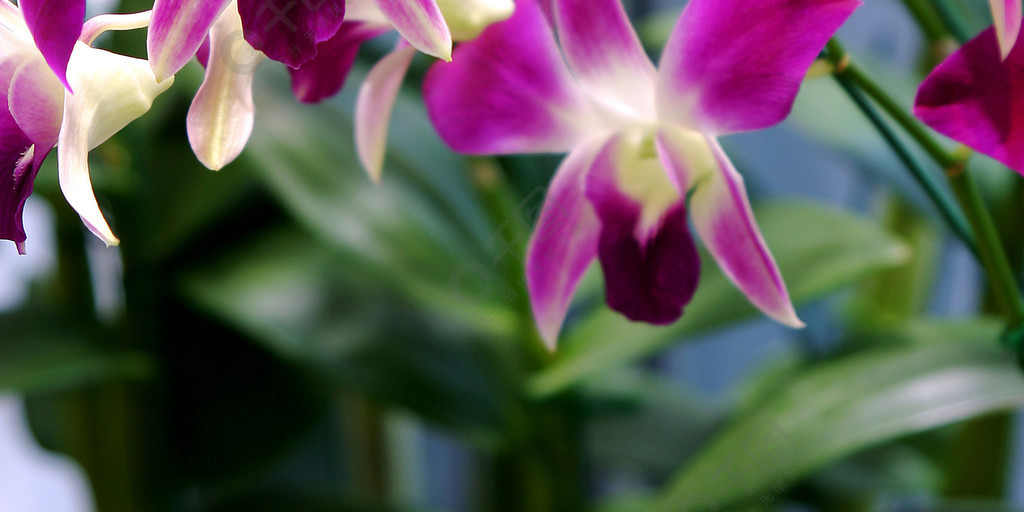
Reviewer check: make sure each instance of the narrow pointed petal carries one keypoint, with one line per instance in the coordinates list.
(563, 245)
(467, 18)
(605, 54)
(373, 108)
(221, 117)
(1007, 17)
(289, 30)
(55, 25)
(725, 222)
(421, 23)
(16, 170)
(324, 75)
(650, 262)
(508, 91)
(974, 97)
(736, 65)
(178, 29)
(36, 101)
(110, 91)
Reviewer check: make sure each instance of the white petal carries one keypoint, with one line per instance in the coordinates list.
(373, 108)
(110, 92)
(221, 117)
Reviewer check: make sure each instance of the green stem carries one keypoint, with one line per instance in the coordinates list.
(950, 213)
(952, 20)
(507, 215)
(990, 251)
(927, 18)
(897, 112)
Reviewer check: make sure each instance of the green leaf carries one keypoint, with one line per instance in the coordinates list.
(660, 426)
(819, 250)
(932, 331)
(838, 408)
(288, 292)
(297, 499)
(871, 476)
(421, 229)
(37, 356)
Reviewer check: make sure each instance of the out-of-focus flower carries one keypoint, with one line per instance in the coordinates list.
(60, 91)
(641, 140)
(318, 40)
(974, 97)
(287, 31)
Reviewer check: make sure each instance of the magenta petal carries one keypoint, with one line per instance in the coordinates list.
(736, 65)
(324, 75)
(508, 91)
(974, 97)
(421, 23)
(36, 101)
(55, 26)
(723, 218)
(177, 31)
(604, 52)
(289, 30)
(203, 52)
(563, 245)
(650, 274)
(16, 173)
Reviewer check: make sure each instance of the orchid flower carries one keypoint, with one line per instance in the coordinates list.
(60, 91)
(641, 140)
(974, 95)
(317, 39)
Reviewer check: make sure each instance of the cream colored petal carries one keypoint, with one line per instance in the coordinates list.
(373, 108)
(221, 117)
(110, 91)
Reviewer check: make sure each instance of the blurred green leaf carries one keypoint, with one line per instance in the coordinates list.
(59, 367)
(819, 250)
(662, 426)
(421, 229)
(291, 500)
(969, 505)
(626, 503)
(296, 297)
(39, 356)
(838, 408)
(870, 477)
(930, 331)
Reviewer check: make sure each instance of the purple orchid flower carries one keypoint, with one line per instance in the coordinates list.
(318, 49)
(641, 140)
(973, 96)
(41, 62)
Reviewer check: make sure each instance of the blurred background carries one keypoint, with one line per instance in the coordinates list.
(285, 335)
